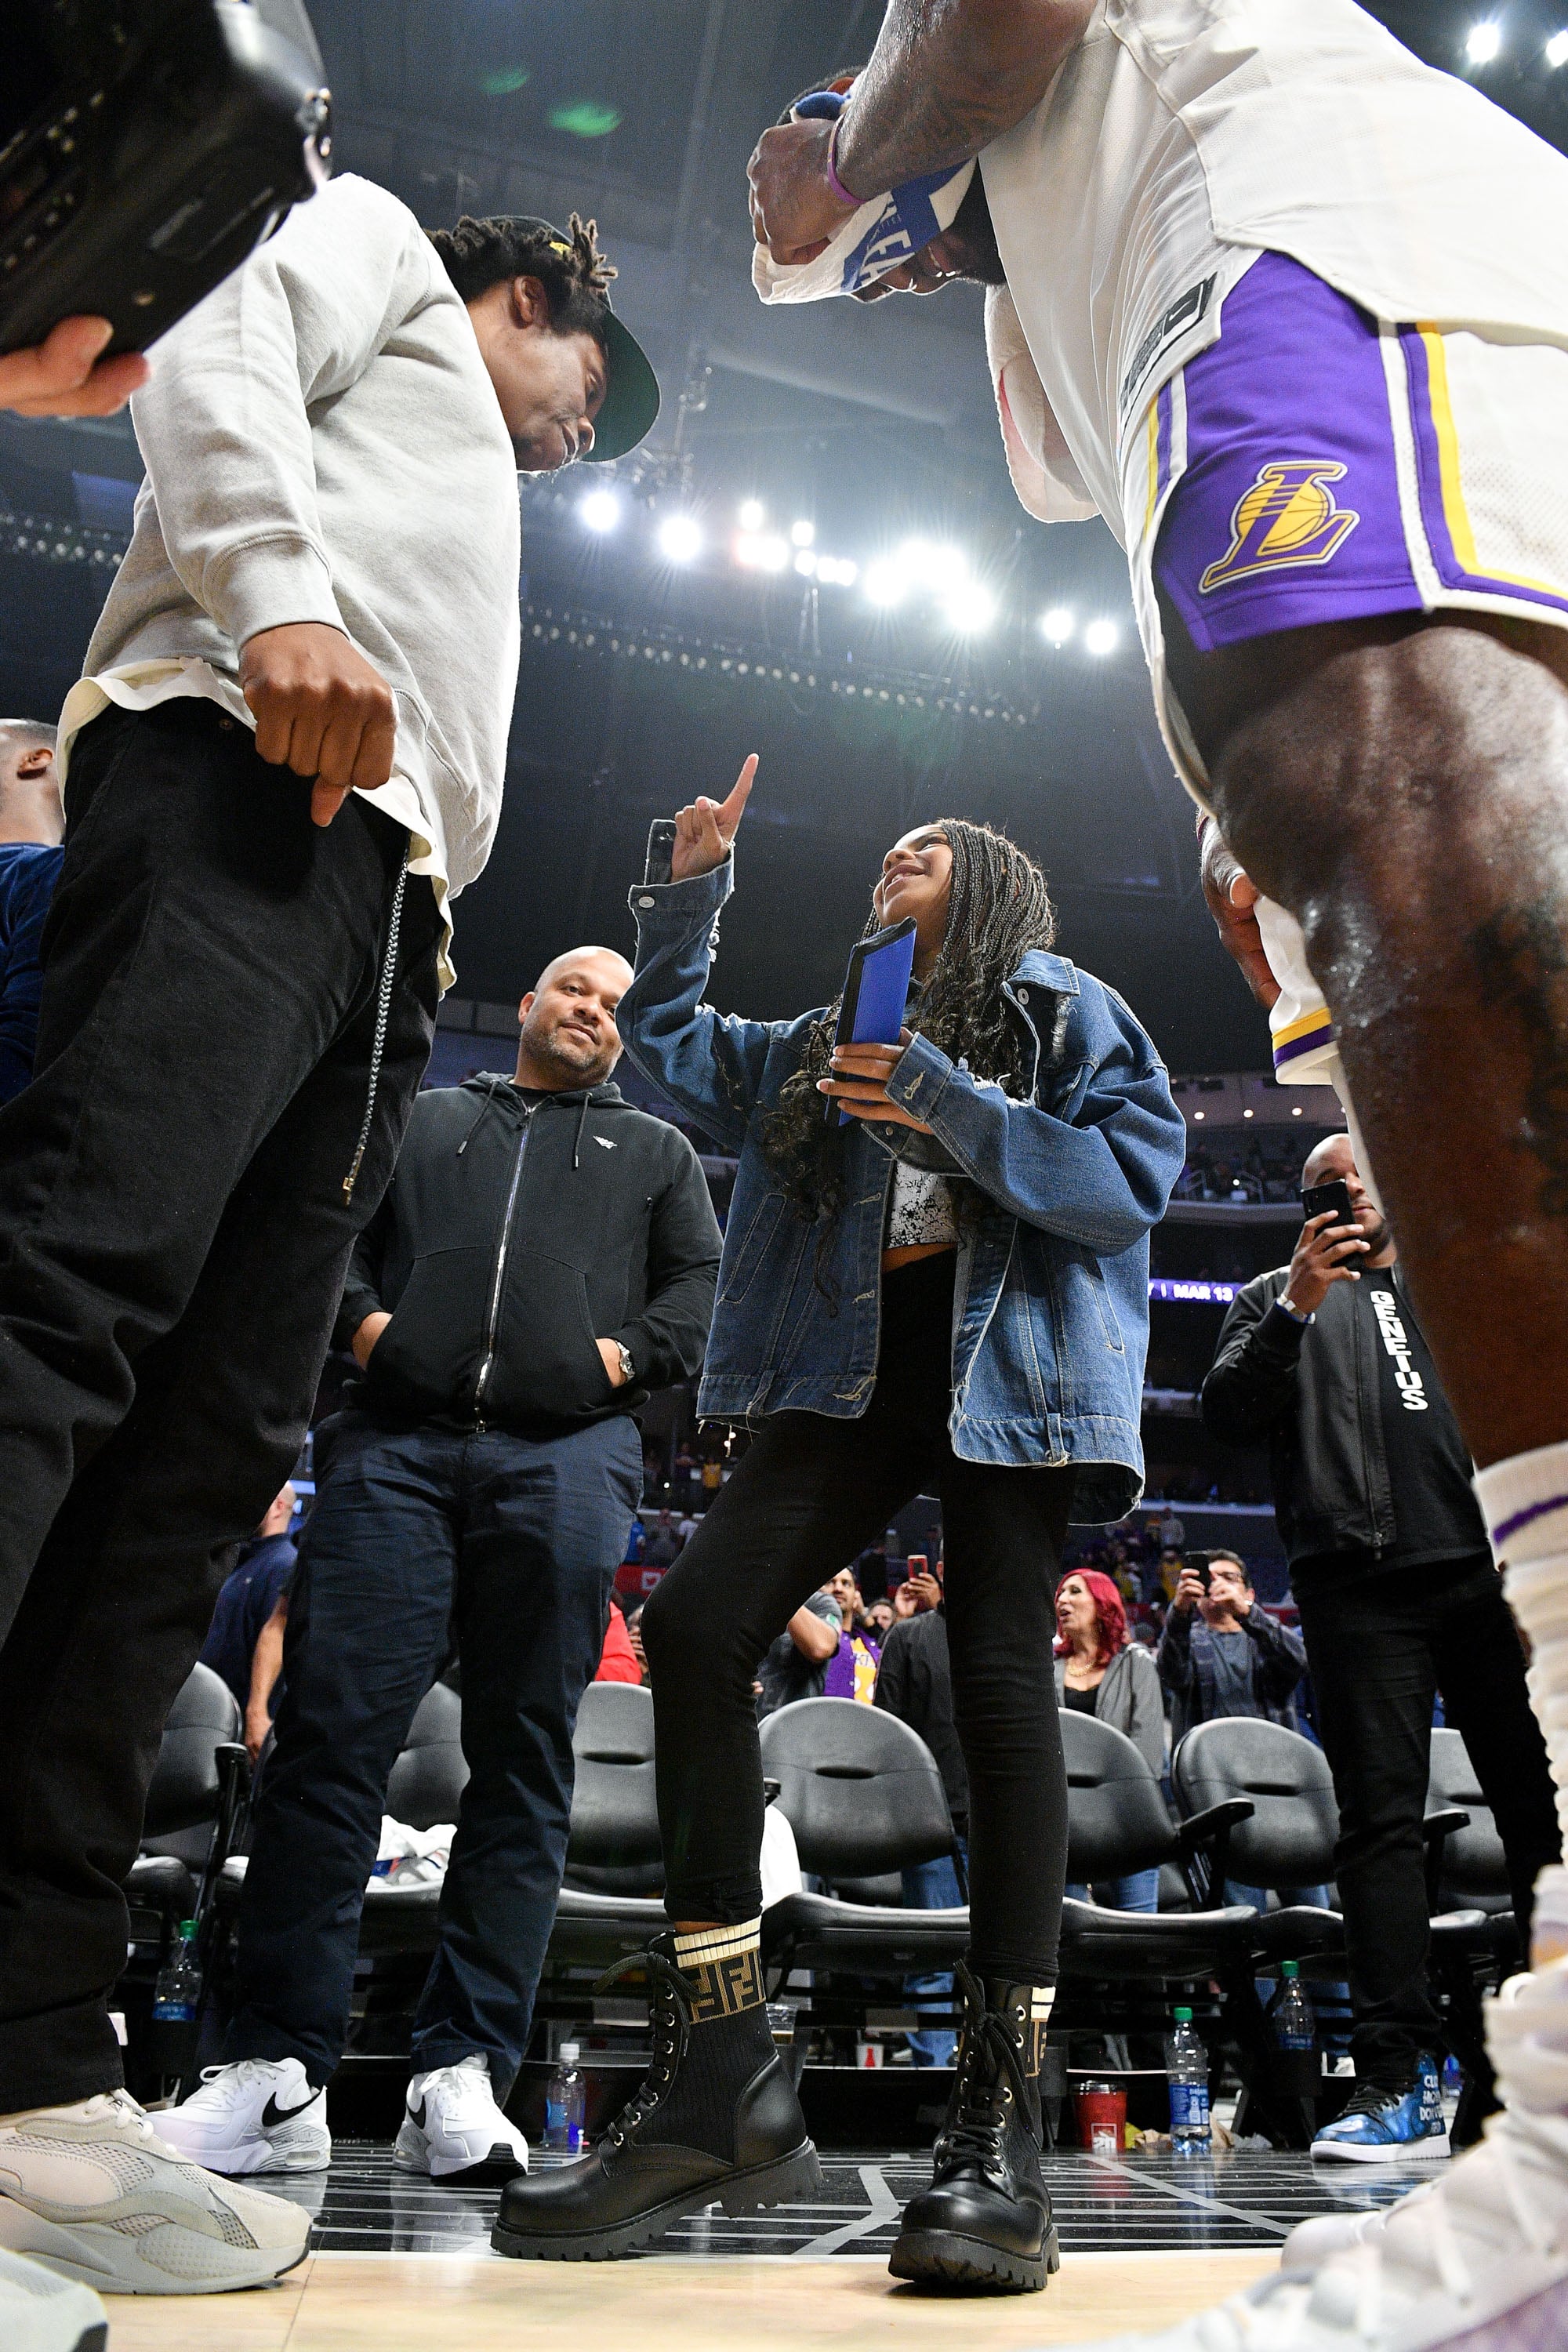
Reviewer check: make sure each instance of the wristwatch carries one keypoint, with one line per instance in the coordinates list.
(628, 1369)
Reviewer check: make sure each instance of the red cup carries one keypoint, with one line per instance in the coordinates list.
(1101, 2119)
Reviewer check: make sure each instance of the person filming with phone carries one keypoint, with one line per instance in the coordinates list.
(945, 1293)
(1220, 1655)
(1323, 1361)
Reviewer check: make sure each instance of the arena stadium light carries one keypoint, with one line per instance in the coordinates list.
(970, 608)
(1484, 43)
(1557, 50)
(1101, 637)
(836, 571)
(679, 539)
(930, 564)
(753, 515)
(600, 511)
(805, 563)
(887, 583)
(761, 550)
(1056, 625)
(803, 535)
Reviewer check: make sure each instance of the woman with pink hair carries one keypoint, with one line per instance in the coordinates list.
(1099, 1672)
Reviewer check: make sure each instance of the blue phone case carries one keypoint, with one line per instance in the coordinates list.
(876, 991)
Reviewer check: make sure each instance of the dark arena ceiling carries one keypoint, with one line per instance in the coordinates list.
(653, 659)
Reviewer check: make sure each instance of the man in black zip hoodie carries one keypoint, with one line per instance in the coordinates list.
(1324, 1361)
(546, 1256)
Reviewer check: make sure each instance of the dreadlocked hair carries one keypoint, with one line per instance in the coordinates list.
(575, 276)
(998, 909)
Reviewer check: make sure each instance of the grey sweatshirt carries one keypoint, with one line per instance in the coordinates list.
(323, 443)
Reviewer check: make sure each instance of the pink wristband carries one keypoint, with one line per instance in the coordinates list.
(834, 182)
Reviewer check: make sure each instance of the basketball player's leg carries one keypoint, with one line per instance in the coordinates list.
(1401, 786)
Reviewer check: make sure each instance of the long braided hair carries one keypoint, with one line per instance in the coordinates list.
(998, 909)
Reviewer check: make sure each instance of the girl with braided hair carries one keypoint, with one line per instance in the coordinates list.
(948, 1293)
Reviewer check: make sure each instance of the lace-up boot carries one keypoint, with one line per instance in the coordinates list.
(985, 2220)
(716, 2120)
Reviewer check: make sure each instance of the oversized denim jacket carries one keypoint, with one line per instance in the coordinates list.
(1051, 1307)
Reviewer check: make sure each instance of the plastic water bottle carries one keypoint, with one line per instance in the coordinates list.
(565, 2098)
(177, 1993)
(1187, 2072)
(1294, 2022)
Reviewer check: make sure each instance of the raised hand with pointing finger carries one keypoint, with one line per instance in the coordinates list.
(705, 830)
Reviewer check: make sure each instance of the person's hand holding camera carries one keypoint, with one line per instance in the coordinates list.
(1190, 1590)
(65, 375)
(1324, 1254)
(705, 830)
(322, 709)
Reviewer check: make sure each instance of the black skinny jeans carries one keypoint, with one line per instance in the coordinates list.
(809, 1494)
(1380, 1649)
(174, 1239)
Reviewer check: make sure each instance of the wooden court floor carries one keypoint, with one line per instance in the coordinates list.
(475, 2303)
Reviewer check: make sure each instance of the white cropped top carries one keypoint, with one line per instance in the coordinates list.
(920, 1210)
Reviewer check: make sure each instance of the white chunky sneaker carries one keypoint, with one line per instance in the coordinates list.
(454, 2130)
(1310, 2243)
(91, 2190)
(41, 2312)
(259, 2114)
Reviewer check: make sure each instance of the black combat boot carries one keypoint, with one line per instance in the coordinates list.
(716, 2120)
(985, 2220)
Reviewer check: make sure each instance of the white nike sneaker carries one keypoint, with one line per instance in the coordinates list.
(41, 2312)
(259, 2114)
(454, 2130)
(91, 2190)
(1312, 2244)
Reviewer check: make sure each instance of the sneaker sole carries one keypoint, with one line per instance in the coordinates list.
(260, 2155)
(941, 2258)
(97, 2255)
(411, 2153)
(1410, 2151)
(780, 2183)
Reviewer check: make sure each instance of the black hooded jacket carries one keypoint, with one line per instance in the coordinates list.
(510, 1239)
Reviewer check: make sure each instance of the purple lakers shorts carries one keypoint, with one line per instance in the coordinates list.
(1329, 465)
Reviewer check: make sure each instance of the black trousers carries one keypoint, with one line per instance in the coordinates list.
(173, 1238)
(809, 1494)
(1380, 1649)
(510, 1544)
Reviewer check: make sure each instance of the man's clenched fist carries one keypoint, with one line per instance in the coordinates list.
(321, 709)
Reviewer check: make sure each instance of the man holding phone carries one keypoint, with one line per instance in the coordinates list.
(1390, 1564)
(1220, 1655)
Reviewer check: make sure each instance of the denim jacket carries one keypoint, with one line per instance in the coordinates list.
(1051, 1305)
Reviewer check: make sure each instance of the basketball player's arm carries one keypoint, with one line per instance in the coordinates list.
(945, 78)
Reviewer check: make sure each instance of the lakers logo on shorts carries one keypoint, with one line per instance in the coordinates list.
(1288, 518)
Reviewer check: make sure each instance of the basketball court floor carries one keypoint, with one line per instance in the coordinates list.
(401, 2265)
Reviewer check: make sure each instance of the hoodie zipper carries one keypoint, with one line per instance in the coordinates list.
(493, 1319)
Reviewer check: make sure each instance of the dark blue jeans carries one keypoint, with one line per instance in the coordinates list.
(507, 1547)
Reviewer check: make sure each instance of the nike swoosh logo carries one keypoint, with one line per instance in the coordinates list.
(416, 2117)
(273, 2114)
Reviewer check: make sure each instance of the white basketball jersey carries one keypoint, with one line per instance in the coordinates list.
(1183, 137)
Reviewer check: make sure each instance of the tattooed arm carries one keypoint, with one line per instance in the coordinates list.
(946, 78)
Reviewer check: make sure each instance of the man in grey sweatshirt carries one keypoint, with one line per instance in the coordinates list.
(284, 759)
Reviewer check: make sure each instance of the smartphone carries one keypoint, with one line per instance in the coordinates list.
(1317, 1200)
(875, 991)
(1201, 1570)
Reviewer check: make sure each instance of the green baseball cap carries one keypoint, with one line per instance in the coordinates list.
(631, 396)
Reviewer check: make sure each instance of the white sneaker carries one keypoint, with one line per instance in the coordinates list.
(454, 2130)
(257, 2116)
(1311, 2244)
(91, 2190)
(41, 2312)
